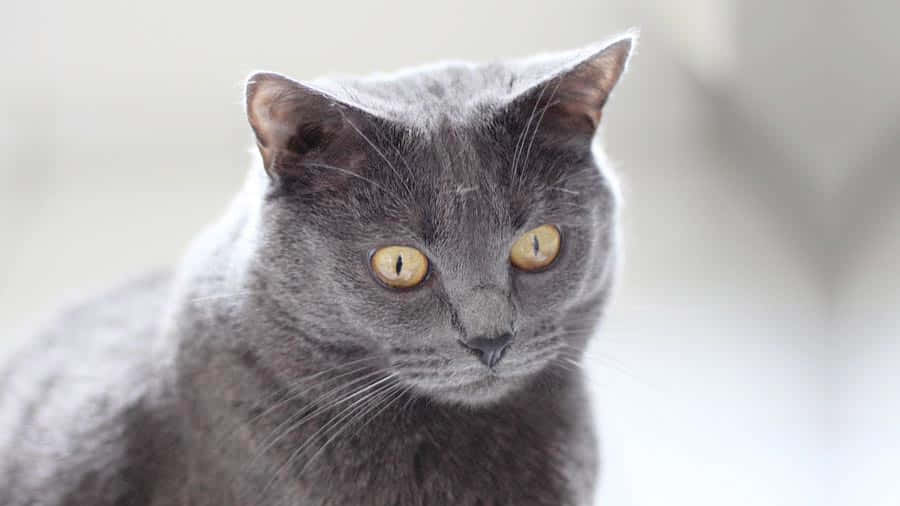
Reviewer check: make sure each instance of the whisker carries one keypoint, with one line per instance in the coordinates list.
(564, 190)
(409, 170)
(408, 403)
(292, 423)
(335, 419)
(397, 392)
(305, 379)
(352, 418)
(347, 172)
(291, 392)
(611, 363)
(372, 144)
(523, 135)
(541, 119)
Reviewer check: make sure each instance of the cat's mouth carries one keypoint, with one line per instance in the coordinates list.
(463, 380)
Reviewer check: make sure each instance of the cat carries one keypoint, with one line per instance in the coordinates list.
(391, 312)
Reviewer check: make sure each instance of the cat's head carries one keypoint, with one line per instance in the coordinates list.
(452, 222)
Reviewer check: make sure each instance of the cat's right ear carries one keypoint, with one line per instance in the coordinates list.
(291, 120)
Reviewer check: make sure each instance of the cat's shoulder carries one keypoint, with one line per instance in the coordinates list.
(74, 394)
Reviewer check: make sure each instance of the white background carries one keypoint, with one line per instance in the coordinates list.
(750, 355)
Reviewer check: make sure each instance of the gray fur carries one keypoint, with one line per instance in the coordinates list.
(272, 368)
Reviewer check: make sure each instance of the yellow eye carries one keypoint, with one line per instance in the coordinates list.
(536, 249)
(400, 266)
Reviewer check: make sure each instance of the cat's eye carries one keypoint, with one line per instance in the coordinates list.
(399, 266)
(536, 249)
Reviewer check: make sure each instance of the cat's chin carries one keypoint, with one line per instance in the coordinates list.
(488, 389)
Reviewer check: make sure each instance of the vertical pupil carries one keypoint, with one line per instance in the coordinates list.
(535, 245)
(399, 266)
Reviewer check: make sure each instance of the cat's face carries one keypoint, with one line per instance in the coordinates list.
(460, 234)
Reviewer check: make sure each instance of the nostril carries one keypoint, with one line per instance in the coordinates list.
(489, 350)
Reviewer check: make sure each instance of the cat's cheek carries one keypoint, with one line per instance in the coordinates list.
(403, 315)
(547, 288)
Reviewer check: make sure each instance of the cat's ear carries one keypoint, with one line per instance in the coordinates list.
(568, 92)
(291, 120)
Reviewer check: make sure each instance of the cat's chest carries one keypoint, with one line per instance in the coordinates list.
(422, 459)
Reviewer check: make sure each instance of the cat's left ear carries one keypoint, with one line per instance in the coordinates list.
(568, 91)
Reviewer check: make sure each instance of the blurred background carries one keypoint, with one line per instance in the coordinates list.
(751, 354)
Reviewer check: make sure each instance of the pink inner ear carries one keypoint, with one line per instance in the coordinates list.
(588, 85)
(580, 88)
(582, 99)
(288, 117)
(268, 111)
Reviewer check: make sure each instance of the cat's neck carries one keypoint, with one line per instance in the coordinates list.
(402, 438)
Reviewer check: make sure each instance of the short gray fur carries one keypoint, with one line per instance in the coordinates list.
(271, 367)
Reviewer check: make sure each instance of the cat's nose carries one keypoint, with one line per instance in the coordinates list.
(489, 350)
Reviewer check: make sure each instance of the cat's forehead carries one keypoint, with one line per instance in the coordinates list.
(425, 96)
(460, 196)
(451, 163)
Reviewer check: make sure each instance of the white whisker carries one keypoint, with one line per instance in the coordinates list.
(386, 160)
(292, 423)
(335, 419)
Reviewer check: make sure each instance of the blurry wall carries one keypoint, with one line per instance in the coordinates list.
(749, 354)
(866, 355)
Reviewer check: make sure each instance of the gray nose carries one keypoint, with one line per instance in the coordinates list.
(489, 350)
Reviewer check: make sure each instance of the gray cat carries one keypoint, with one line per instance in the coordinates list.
(391, 312)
